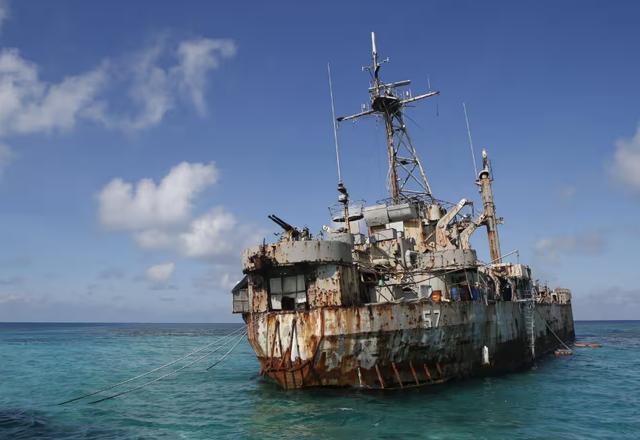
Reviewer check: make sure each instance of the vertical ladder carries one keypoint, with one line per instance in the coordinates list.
(530, 324)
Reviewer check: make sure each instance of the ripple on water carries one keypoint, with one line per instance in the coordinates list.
(592, 394)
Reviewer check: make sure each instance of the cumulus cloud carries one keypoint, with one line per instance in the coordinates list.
(160, 273)
(160, 216)
(626, 161)
(217, 235)
(33, 105)
(214, 234)
(589, 243)
(30, 105)
(145, 206)
(198, 57)
(155, 84)
(155, 80)
(150, 90)
(209, 235)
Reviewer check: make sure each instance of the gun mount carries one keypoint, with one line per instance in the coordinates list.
(290, 232)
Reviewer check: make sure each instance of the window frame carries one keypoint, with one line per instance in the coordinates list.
(299, 295)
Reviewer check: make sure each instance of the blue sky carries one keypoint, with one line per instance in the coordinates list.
(143, 144)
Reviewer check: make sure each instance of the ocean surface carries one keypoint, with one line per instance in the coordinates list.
(593, 394)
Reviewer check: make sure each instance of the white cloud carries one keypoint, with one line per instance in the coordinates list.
(626, 161)
(197, 58)
(156, 78)
(63, 104)
(30, 105)
(214, 235)
(590, 243)
(160, 216)
(210, 235)
(150, 89)
(146, 205)
(160, 273)
(154, 85)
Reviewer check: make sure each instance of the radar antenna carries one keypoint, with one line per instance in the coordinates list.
(407, 179)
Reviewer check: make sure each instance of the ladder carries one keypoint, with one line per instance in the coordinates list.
(530, 324)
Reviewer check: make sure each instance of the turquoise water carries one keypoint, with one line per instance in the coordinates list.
(593, 394)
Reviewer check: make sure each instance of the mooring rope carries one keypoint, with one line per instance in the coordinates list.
(93, 393)
(552, 332)
(130, 390)
(228, 352)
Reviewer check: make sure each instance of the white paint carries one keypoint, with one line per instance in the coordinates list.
(485, 355)
(428, 320)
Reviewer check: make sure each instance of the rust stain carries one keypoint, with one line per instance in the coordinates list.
(395, 370)
(413, 372)
(379, 377)
(426, 371)
(339, 346)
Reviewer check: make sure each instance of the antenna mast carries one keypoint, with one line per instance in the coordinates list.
(343, 198)
(333, 120)
(473, 154)
(407, 179)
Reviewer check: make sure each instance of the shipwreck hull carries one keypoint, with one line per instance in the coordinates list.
(397, 345)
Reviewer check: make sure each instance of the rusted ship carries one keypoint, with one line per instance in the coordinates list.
(393, 295)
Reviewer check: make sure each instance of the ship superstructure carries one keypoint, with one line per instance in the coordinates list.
(408, 303)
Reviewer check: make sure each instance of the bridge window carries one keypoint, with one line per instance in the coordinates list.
(288, 292)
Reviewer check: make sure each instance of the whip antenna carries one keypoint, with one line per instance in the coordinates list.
(333, 120)
(473, 155)
(343, 198)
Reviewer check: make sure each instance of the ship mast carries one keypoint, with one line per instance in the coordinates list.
(491, 221)
(407, 179)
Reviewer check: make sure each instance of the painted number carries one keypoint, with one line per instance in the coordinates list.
(427, 319)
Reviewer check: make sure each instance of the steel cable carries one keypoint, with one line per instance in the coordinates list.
(93, 393)
(227, 353)
(130, 390)
(552, 332)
